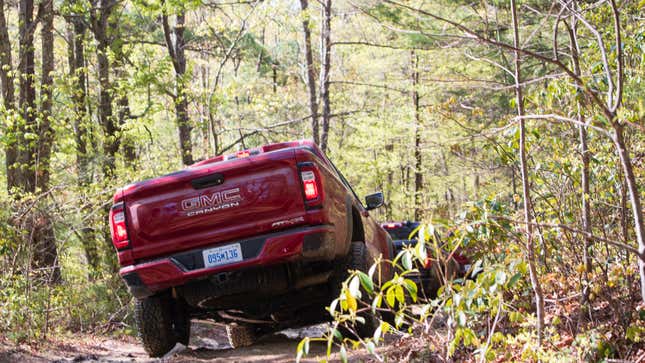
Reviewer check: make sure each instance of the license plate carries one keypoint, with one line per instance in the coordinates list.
(223, 255)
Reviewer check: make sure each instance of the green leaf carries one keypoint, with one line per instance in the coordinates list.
(390, 296)
(302, 349)
(406, 260)
(333, 306)
(400, 296)
(461, 318)
(513, 280)
(500, 277)
(343, 354)
(399, 319)
(371, 271)
(635, 333)
(376, 303)
(366, 282)
(354, 287)
(420, 251)
(411, 286)
(370, 347)
(377, 333)
(337, 334)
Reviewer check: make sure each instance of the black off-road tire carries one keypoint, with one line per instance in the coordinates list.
(358, 261)
(181, 321)
(162, 322)
(240, 335)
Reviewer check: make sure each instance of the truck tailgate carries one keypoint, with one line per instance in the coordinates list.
(213, 203)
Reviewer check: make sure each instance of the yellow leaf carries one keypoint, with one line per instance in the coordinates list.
(351, 301)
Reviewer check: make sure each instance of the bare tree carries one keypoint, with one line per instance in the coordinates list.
(28, 158)
(43, 229)
(574, 49)
(608, 107)
(175, 44)
(6, 77)
(100, 27)
(46, 132)
(311, 71)
(528, 208)
(77, 30)
(325, 55)
(418, 176)
(8, 96)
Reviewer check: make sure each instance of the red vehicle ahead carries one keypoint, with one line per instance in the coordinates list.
(260, 240)
(433, 272)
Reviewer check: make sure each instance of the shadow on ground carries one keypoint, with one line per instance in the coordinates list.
(208, 343)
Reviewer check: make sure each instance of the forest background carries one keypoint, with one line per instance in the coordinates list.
(516, 125)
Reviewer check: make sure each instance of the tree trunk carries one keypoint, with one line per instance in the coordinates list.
(111, 139)
(78, 74)
(45, 132)
(23, 181)
(76, 58)
(106, 118)
(311, 72)
(325, 54)
(8, 98)
(584, 173)
(634, 196)
(418, 176)
(6, 78)
(528, 218)
(128, 146)
(178, 57)
(101, 28)
(33, 154)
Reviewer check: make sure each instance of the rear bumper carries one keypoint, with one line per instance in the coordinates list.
(305, 243)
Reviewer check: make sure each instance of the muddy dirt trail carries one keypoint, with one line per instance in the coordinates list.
(208, 343)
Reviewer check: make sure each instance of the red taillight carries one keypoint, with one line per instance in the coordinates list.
(311, 185)
(242, 154)
(118, 227)
(391, 225)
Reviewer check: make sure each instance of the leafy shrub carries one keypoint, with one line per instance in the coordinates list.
(471, 309)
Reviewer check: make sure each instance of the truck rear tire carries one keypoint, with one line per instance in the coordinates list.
(162, 322)
(240, 335)
(358, 261)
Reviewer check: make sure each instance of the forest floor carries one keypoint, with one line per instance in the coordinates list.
(208, 343)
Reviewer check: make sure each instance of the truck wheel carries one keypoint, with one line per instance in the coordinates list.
(162, 323)
(358, 261)
(240, 335)
(181, 322)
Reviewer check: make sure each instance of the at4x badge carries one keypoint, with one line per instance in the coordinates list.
(204, 204)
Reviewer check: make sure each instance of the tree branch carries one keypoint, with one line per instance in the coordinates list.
(475, 36)
(624, 246)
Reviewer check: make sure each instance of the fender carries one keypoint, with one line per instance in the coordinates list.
(350, 223)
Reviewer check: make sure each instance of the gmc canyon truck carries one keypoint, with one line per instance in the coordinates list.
(259, 240)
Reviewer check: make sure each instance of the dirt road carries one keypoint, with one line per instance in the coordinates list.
(207, 344)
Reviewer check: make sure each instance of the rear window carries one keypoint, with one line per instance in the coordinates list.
(402, 232)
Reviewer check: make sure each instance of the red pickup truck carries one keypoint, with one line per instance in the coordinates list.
(259, 240)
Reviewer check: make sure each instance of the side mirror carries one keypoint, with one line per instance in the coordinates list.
(374, 200)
